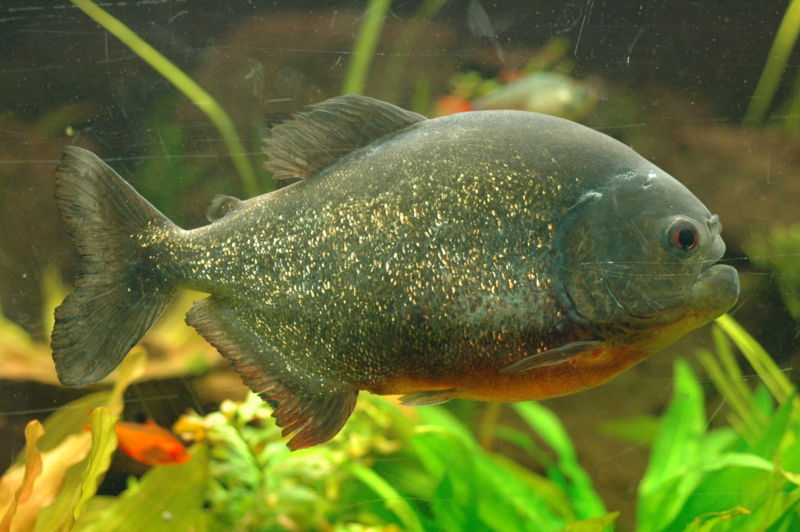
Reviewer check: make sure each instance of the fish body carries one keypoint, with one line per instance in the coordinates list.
(494, 255)
(150, 443)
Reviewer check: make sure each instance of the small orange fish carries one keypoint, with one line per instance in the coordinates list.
(450, 104)
(149, 443)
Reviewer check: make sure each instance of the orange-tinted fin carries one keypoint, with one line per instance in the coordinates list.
(316, 419)
(314, 415)
(432, 397)
(551, 357)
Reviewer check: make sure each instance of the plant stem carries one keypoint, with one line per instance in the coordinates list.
(364, 49)
(404, 44)
(198, 96)
(779, 53)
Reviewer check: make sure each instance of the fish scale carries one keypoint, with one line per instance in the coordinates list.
(463, 256)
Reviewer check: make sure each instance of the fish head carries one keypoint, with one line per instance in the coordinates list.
(640, 252)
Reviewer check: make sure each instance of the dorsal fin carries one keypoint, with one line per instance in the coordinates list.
(313, 140)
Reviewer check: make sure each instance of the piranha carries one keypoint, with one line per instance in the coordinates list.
(489, 255)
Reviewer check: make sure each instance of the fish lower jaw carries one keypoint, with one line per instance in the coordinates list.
(715, 291)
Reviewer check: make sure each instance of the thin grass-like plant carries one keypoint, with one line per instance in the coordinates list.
(405, 43)
(364, 49)
(198, 96)
(779, 53)
(766, 368)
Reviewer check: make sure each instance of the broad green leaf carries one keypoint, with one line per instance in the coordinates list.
(104, 442)
(757, 356)
(17, 491)
(441, 418)
(391, 497)
(640, 430)
(585, 500)
(55, 467)
(668, 481)
(712, 521)
(735, 460)
(167, 498)
(81, 480)
(476, 492)
(515, 505)
(552, 494)
(593, 524)
(71, 418)
(722, 490)
(775, 505)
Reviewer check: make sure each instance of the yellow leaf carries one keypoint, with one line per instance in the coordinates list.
(39, 480)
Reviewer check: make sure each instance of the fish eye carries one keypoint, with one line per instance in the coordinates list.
(683, 234)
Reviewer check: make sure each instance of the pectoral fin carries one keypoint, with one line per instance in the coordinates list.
(433, 397)
(314, 411)
(551, 356)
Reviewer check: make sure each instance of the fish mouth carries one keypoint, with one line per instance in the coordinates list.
(714, 292)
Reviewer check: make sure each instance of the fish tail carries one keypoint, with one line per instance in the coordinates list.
(119, 289)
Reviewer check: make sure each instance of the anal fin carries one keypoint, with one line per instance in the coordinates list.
(314, 415)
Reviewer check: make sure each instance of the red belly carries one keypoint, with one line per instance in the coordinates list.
(574, 375)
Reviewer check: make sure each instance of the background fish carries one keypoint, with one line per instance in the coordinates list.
(494, 255)
(150, 443)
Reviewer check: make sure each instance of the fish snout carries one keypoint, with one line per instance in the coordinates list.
(714, 225)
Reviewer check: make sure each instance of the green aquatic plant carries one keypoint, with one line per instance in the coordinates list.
(394, 468)
(196, 94)
(779, 251)
(388, 468)
(736, 477)
(401, 52)
(778, 56)
(364, 48)
(63, 462)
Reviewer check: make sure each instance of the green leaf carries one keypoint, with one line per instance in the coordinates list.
(104, 442)
(709, 522)
(775, 506)
(769, 441)
(391, 497)
(473, 490)
(640, 430)
(552, 494)
(167, 498)
(70, 419)
(585, 500)
(81, 481)
(772, 376)
(668, 480)
(735, 460)
(593, 524)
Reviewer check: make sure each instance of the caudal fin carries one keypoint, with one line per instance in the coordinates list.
(118, 291)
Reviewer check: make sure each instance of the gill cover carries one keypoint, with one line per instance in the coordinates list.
(630, 253)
